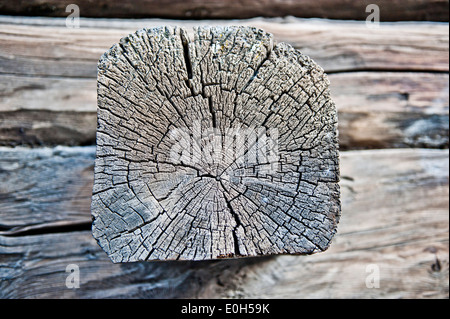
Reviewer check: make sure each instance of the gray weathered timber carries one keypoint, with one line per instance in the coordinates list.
(222, 145)
(73, 53)
(44, 188)
(392, 10)
(375, 110)
(396, 216)
(48, 91)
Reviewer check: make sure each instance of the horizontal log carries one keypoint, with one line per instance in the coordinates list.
(47, 77)
(436, 10)
(45, 187)
(43, 127)
(376, 110)
(45, 47)
(395, 216)
(385, 110)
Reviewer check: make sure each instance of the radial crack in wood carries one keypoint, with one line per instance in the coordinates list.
(211, 144)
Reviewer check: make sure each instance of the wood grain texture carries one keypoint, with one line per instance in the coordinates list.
(385, 110)
(395, 202)
(51, 87)
(405, 10)
(37, 191)
(395, 215)
(375, 110)
(337, 46)
(220, 145)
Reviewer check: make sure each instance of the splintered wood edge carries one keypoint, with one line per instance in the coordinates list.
(168, 102)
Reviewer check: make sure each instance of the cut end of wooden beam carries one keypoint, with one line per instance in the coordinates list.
(213, 143)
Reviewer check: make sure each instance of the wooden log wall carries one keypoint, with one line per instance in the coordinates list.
(391, 10)
(394, 78)
(394, 215)
(391, 88)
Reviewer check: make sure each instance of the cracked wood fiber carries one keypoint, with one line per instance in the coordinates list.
(213, 143)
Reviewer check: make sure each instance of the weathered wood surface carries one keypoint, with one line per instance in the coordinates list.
(395, 215)
(401, 67)
(213, 146)
(391, 10)
(385, 110)
(44, 188)
(404, 108)
(376, 110)
(337, 46)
